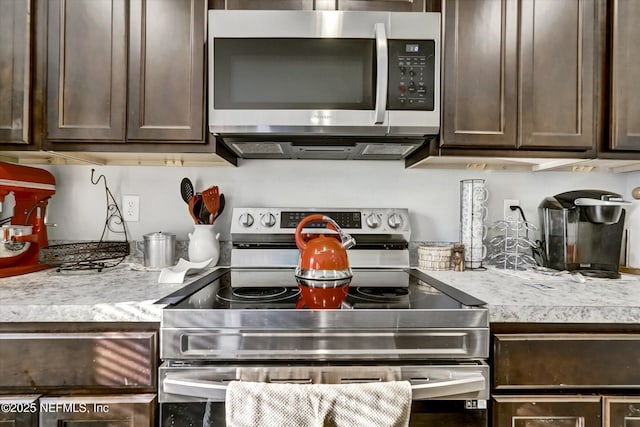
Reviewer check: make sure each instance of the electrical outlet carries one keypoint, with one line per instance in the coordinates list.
(131, 208)
(508, 214)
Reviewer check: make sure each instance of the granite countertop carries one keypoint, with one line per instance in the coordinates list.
(126, 294)
(531, 296)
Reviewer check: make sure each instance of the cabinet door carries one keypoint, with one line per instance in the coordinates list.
(166, 70)
(19, 411)
(87, 63)
(98, 411)
(479, 76)
(625, 69)
(557, 69)
(15, 37)
(544, 411)
(622, 411)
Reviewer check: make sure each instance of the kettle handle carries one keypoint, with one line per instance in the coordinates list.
(300, 242)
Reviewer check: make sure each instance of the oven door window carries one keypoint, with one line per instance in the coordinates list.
(294, 74)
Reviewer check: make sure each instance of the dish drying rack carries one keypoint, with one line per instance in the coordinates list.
(94, 255)
(509, 245)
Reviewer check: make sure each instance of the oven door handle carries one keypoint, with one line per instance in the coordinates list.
(454, 387)
(195, 388)
(216, 391)
(382, 71)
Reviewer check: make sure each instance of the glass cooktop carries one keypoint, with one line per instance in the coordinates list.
(278, 288)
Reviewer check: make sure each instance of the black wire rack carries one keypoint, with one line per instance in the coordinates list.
(93, 255)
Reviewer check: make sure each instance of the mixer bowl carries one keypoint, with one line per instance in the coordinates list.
(10, 250)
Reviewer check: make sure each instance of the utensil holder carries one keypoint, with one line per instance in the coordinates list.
(473, 211)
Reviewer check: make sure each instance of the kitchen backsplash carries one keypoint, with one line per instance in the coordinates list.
(431, 195)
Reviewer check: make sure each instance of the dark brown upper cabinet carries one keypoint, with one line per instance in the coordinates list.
(521, 74)
(625, 69)
(125, 71)
(15, 81)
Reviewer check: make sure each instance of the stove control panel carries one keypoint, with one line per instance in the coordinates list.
(382, 221)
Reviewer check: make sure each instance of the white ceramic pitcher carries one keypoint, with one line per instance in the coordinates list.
(204, 244)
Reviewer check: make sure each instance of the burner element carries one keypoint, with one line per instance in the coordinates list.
(258, 293)
(255, 294)
(383, 293)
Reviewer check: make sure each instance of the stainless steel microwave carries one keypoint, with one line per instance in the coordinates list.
(323, 84)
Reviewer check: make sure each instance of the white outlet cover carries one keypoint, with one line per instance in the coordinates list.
(131, 208)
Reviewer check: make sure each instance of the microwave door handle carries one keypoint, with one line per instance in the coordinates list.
(195, 388)
(382, 71)
(430, 390)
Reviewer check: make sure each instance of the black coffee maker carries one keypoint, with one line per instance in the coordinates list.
(582, 230)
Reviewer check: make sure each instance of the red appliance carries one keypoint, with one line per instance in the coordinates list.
(31, 188)
(323, 257)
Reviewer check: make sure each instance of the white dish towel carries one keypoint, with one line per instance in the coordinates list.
(251, 404)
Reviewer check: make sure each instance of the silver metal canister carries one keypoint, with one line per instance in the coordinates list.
(159, 249)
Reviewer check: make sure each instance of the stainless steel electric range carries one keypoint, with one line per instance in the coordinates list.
(253, 321)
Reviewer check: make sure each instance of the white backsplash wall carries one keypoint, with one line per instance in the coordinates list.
(432, 196)
(633, 220)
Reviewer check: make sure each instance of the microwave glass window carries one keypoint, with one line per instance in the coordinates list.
(294, 74)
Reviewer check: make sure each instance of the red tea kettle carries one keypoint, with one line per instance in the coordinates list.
(323, 257)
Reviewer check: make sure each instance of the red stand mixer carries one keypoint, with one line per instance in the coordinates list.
(22, 239)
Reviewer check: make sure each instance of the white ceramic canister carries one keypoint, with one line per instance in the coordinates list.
(204, 244)
(159, 249)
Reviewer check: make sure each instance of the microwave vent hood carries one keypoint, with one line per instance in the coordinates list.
(326, 148)
(323, 84)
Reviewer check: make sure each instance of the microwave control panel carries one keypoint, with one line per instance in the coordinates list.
(411, 75)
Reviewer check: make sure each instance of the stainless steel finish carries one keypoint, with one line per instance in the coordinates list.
(245, 230)
(325, 335)
(280, 133)
(330, 275)
(246, 220)
(448, 381)
(383, 226)
(10, 248)
(585, 201)
(382, 71)
(373, 220)
(159, 249)
(606, 211)
(367, 258)
(395, 220)
(268, 220)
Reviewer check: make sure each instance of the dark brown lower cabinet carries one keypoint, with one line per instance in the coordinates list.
(561, 378)
(98, 411)
(78, 375)
(19, 410)
(622, 411)
(546, 411)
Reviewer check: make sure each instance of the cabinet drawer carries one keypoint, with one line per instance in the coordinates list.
(19, 411)
(136, 410)
(565, 361)
(78, 361)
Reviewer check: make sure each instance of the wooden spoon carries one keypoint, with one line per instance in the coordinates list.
(211, 199)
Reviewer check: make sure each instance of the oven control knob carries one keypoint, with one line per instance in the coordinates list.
(246, 219)
(268, 220)
(395, 220)
(373, 221)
